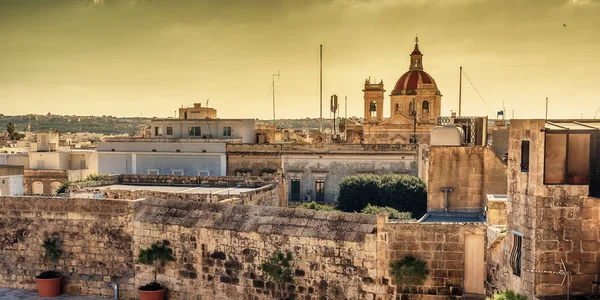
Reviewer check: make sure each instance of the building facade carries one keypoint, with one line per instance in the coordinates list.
(415, 106)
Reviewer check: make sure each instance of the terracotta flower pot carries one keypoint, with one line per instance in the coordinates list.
(152, 295)
(49, 287)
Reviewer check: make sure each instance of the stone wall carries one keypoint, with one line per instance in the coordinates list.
(6, 170)
(46, 177)
(557, 222)
(471, 172)
(264, 196)
(222, 181)
(219, 248)
(441, 245)
(255, 162)
(96, 242)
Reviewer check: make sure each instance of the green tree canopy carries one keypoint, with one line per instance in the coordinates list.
(401, 192)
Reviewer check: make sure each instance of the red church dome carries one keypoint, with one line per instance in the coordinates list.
(411, 80)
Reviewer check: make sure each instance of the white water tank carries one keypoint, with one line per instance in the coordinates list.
(447, 136)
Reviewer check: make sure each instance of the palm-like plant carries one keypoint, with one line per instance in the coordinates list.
(508, 295)
(157, 256)
(409, 271)
(52, 253)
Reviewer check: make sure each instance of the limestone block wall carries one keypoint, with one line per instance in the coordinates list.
(95, 236)
(252, 181)
(255, 162)
(569, 230)
(46, 177)
(471, 172)
(441, 245)
(219, 249)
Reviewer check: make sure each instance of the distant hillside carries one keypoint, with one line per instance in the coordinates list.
(100, 124)
(122, 125)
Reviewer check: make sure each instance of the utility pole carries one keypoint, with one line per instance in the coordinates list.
(274, 95)
(546, 108)
(460, 92)
(346, 107)
(321, 86)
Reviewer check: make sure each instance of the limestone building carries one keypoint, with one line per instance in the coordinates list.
(415, 105)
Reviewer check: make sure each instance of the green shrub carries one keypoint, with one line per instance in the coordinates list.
(392, 213)
(279, 267)
(63, 187)
(410, 271)
(315, 206)
(96, 177)
(508, 295)
(401, 192)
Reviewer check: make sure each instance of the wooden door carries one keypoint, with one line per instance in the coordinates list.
(474, 264)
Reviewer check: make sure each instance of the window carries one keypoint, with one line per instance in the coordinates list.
(320, 190)
(425, 105)
(194, 131)
(515, 253)
(524, 156)
(567, 158)
(373, 108)
(169, 131)
(82, 165)
(295, 190)
(410, 109)
(397, 107)
(158, 131)
(227, 131)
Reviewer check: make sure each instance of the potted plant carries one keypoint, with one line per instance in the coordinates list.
(156, 256)
(49, 282)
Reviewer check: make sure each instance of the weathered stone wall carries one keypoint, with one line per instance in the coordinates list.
(6, 170)
(471, 172)
(96, 242)
(264, 196)
(441, 245)
(46, 177)
(255, 162)
(252, 181)
(558, 222)
(219, 249)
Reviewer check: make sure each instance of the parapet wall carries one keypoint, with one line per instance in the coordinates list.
(219, 248)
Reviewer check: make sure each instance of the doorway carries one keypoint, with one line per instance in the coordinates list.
(474, 264)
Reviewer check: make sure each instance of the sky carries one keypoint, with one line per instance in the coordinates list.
(150, 57)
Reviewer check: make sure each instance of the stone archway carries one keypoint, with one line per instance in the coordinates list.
(54, 186)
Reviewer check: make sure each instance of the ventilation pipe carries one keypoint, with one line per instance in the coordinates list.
(446, 190)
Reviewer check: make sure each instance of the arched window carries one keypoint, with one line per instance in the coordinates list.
(425, 105)
(410, 108)
(37, 187)
(373, 108)
(397, 107)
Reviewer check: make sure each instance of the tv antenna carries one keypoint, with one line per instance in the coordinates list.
(274, 94)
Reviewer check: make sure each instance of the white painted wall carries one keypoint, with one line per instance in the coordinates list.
(141, 162)
(240, 128)
(11, 185)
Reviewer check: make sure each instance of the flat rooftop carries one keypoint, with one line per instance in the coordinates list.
(449, 217)
(177, 189)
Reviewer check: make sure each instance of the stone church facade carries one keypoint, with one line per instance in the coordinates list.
(415, 105)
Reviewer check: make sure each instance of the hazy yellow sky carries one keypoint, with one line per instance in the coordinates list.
(128, 58)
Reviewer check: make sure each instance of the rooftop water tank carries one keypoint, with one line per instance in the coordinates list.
(449, 135)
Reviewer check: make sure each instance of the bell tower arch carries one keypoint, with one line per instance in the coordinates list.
(373, 101)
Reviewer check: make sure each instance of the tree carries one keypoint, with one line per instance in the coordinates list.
(315, 206)
(508, 295)
(410, 271)
(157, 256)
(392, 213)
(280, 268)
(12, 132)
(401, 192)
